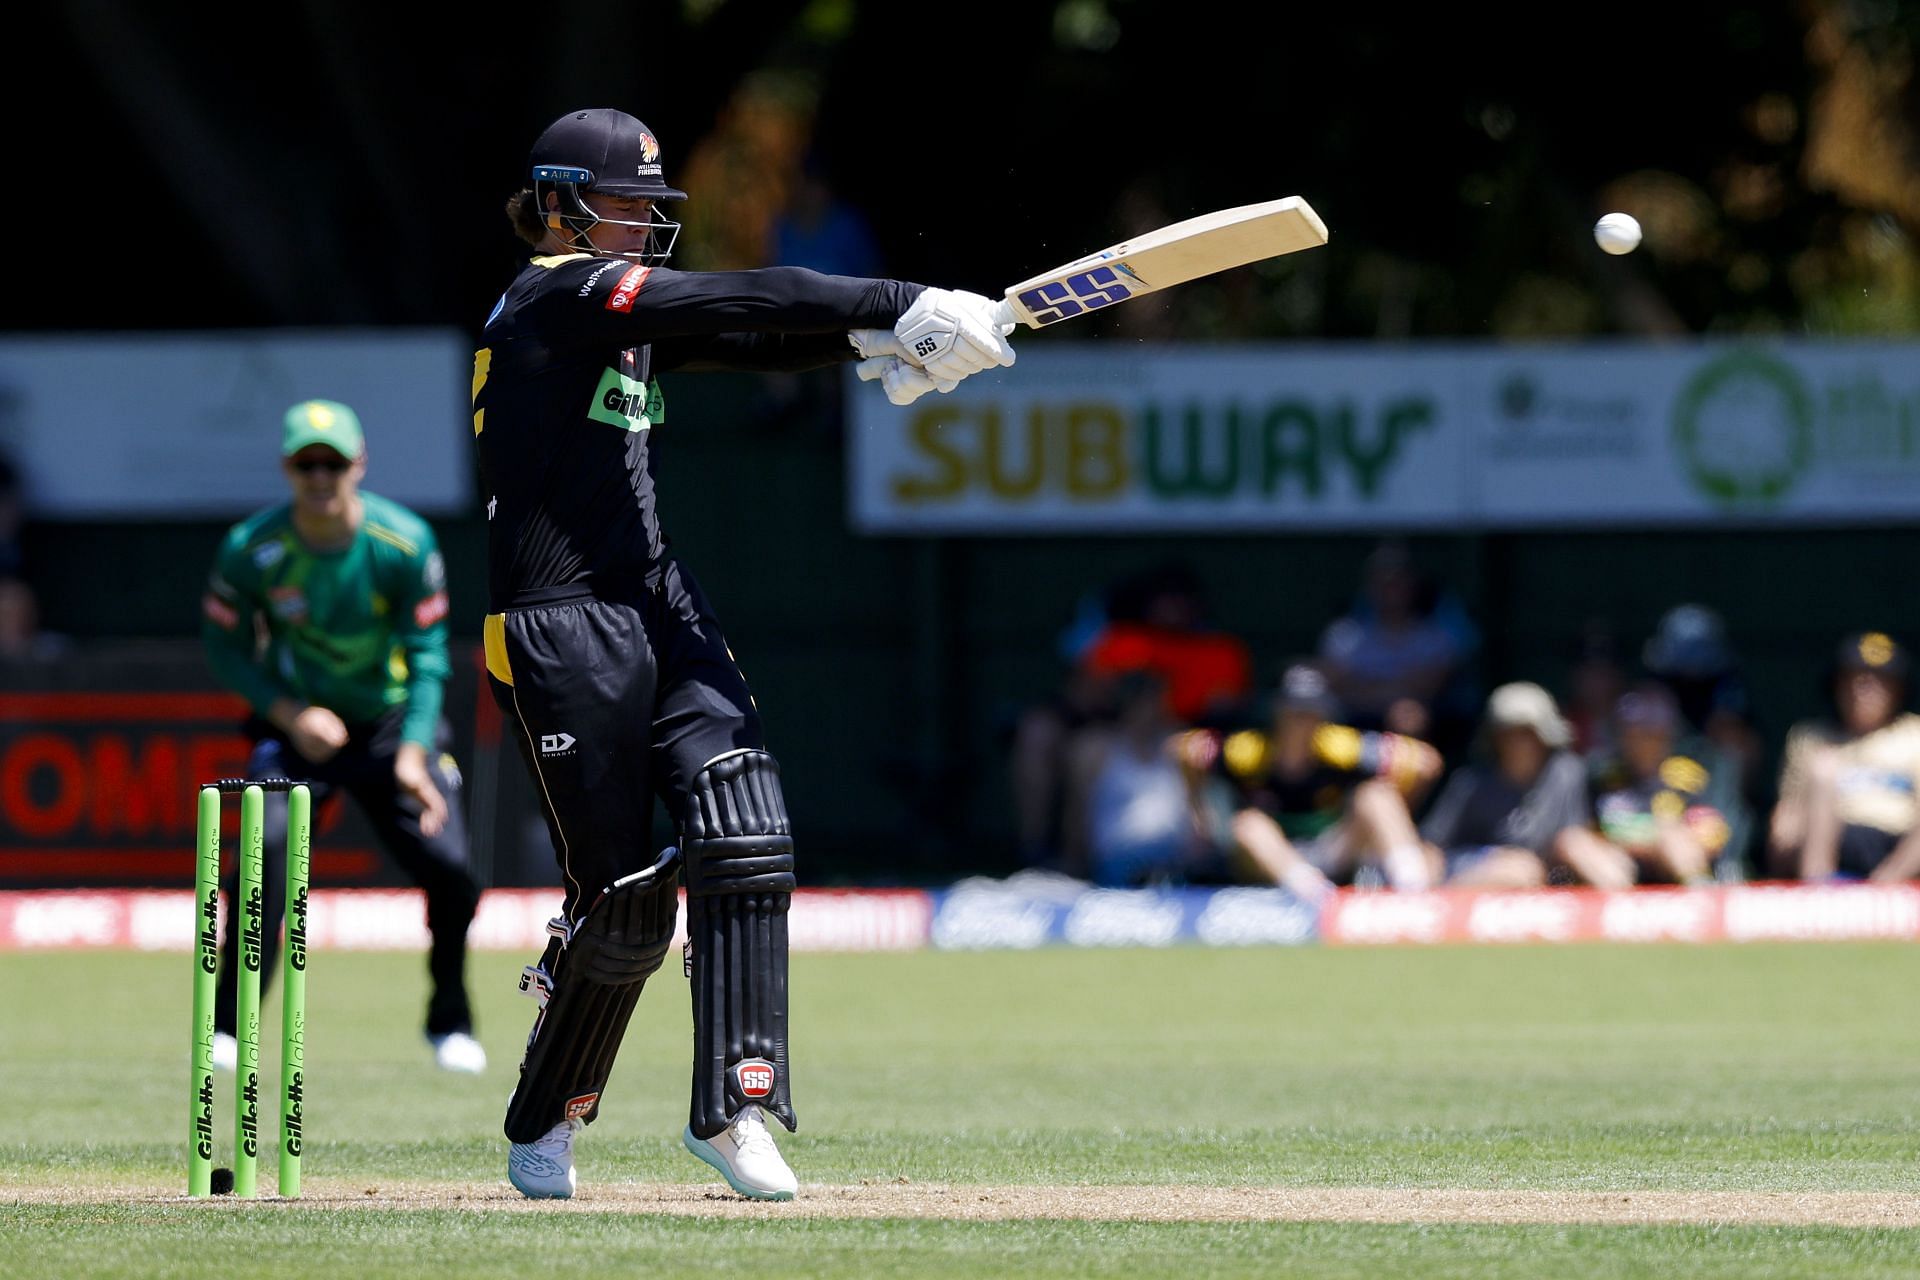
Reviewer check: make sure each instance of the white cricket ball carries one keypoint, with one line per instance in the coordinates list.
(1617, 233)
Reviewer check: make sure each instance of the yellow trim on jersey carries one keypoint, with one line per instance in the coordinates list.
(391, 538)
(552, 260)
(493, 638)
(1683, 774)
(1245, 753)
(482, 363)
(1338, 745)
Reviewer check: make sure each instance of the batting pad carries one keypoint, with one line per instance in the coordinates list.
(591, 981)
(739, 858)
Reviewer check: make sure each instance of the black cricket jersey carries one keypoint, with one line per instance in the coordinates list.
(566, 400)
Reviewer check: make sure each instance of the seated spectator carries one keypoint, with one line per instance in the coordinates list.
(1495, 822)
(1848, 791)
(1207, 673)
(1394, 657)
(1150, 622)
(1140, 820)
(1313, 800)
(1689, 653)
(1593, 687)
(1655, 811)
(1051, 747)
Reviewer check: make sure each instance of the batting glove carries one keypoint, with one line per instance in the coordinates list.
(903, 383)
(952, 334)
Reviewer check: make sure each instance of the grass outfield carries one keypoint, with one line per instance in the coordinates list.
(1558, 1071)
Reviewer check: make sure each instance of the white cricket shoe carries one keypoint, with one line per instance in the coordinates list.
(744, 1154)
(226, 1051)
(543, 1169)
(458, 1051)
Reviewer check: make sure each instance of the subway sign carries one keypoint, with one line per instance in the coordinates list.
(1125, 438)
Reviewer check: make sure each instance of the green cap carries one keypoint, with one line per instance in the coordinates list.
(326, 422)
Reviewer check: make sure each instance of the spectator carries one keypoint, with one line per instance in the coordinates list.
(1314, 800)
(1848, 790)
(1494, 823)
(1150, 622)
(1594, 686)
(1141, 826)
(1688, 652)
(1391, 660)
(1052, 745)
(1659, 814)
(1207, 673)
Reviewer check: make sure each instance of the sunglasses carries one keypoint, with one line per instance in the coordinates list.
(307, 466)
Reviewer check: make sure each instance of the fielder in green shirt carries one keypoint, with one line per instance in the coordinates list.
(328, 615)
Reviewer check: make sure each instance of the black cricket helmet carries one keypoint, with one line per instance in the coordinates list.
(606, 152)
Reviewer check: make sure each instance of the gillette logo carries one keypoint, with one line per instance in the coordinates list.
(250, 935)
(203, 1120)
(296, 1111)
(210, 932)
(297, 932)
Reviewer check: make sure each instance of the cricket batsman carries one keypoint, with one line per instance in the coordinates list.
(327, 613)
(605, 654)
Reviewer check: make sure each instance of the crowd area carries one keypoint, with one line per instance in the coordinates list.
(1376, 761)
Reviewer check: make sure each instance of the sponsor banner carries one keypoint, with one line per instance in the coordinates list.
(1104, 439)
(1078, 438)
(395, 920)
(1744, 914)
(859, 920)
(995, 916)
(1782, 914)
(1825, 432)
(98, 786)
(189, 424)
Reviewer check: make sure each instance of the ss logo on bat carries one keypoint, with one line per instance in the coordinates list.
(1087, 291)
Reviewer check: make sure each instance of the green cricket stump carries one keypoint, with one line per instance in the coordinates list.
(250, 902)
(293, 990)
(253, 909)
(206, 968)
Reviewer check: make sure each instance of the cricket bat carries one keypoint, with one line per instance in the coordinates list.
(1172, 255)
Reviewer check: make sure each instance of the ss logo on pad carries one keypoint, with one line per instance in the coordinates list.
(755, 1078)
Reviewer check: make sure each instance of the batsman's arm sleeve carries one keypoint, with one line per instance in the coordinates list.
(421, 629)
(228, 612)
(753, 352)
(589, 301)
